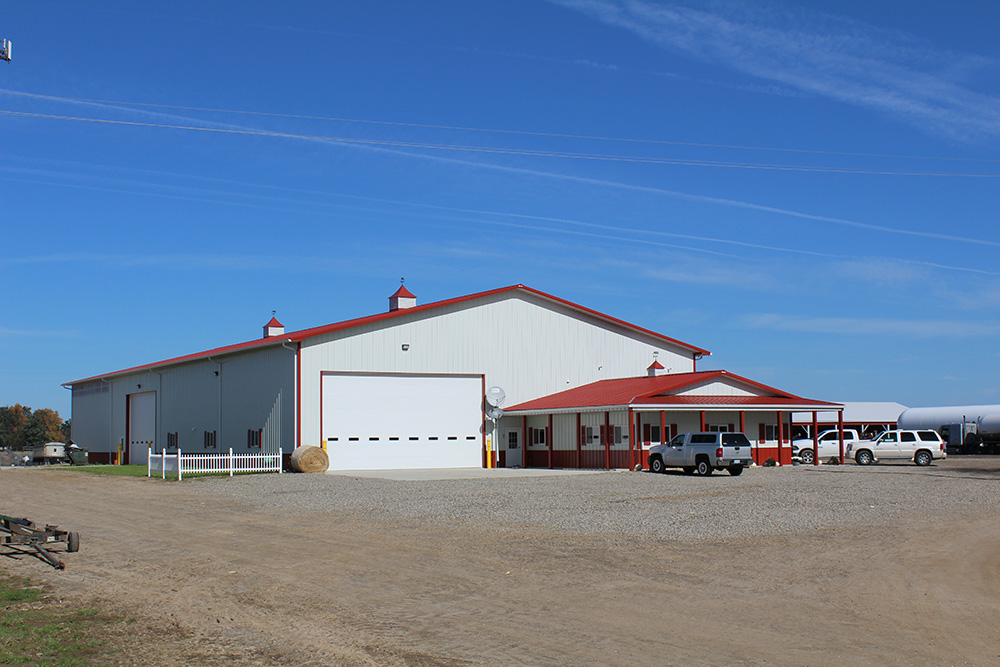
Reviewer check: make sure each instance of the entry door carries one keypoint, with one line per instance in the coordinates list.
(515, 448)
(141, 426)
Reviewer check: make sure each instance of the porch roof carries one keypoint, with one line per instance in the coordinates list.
(665, 392)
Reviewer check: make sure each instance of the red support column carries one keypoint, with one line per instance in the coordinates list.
(548, 439)
(579, 441)
(840, 429)
(815, 441)
(609, 435)
(663, 427)
(631, 438)
(743, 422)
(781, 434)
(526, 440)
(701, 417)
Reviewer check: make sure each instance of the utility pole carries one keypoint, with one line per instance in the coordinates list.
(5, 50)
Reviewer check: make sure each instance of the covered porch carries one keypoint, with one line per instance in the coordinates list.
(612, 423)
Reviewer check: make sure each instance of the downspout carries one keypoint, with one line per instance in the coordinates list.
(159, 399)
(111, 414)
(218, 438)
(297, 439)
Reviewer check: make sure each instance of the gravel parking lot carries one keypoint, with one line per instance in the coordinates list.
(827, 565)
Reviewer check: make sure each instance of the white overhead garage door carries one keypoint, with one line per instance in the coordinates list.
(378, 422)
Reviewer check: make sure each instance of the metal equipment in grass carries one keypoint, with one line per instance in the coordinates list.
(19, 534)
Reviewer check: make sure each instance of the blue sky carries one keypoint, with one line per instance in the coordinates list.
(807, 189)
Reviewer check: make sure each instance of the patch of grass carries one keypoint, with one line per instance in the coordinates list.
(121, 471)
(37, 630)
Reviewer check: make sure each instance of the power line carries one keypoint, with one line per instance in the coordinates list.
(493, 130)
(503, 151)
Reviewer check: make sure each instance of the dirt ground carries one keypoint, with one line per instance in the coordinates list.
(211, 582)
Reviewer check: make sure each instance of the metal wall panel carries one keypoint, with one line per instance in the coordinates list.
(529, 346)
(91, 416)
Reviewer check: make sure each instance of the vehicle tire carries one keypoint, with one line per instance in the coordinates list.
(656, 464)
(703, 467)
(688, 470)
(806, 455)
(864, 457)
(923, 458)
(73, 542)
(735, 471)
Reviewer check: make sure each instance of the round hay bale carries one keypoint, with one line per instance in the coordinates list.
(310, 459)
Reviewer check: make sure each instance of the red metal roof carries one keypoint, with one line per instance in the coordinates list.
(660, 390)
(298, 336)
(274, 323)
(403, 292)
(655, 366)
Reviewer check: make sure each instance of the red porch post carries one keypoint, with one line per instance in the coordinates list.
(609, 435)
(663, 427)
(840, 430)
(526, 438)
(701, 417)
(815, 440)
(743, 422)
(548, 439)
(781, 434)
(631, 438)
(579, 441)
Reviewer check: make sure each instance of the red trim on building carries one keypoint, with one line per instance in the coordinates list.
(298, 336)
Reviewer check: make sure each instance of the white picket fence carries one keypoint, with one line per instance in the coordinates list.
(193, 464)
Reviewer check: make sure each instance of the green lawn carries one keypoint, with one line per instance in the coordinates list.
(122, 471)
(37, 630)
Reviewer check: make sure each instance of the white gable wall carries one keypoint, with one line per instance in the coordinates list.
(719, 388)
(525, 344)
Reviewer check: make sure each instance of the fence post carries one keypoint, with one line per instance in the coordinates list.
(163, 462)
(180, 472)
(230, 461)
(149, 461)
(281, 460)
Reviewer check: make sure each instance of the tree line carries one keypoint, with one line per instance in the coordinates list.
(23, 428)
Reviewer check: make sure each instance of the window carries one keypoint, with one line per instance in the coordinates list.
(703, 439)
(253, 438)
(907, 437)
(929, 436)
(620, 435)
(210, 440)
(512, 439)
(717, 428)
(770, 431)
(590, 435)
(735, 439)
(538, 436)
(654, 433)
(172, 441)
(678, 440)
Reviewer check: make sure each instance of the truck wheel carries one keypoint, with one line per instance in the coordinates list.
(806, 455)
(703, 467)
(923, 458)
(735, 471)
(864, 457)
(656, 464)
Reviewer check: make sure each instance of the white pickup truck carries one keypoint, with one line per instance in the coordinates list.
(702, 453)
(829, 444)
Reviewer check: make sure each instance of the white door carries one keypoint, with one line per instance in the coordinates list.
(515, 450)
(379, 422)
(141, 426)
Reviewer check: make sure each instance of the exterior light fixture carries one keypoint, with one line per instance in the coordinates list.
(406, 346)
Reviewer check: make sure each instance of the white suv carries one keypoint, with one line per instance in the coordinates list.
(921, 447)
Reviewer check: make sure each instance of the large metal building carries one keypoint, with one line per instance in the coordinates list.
(405, 389)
